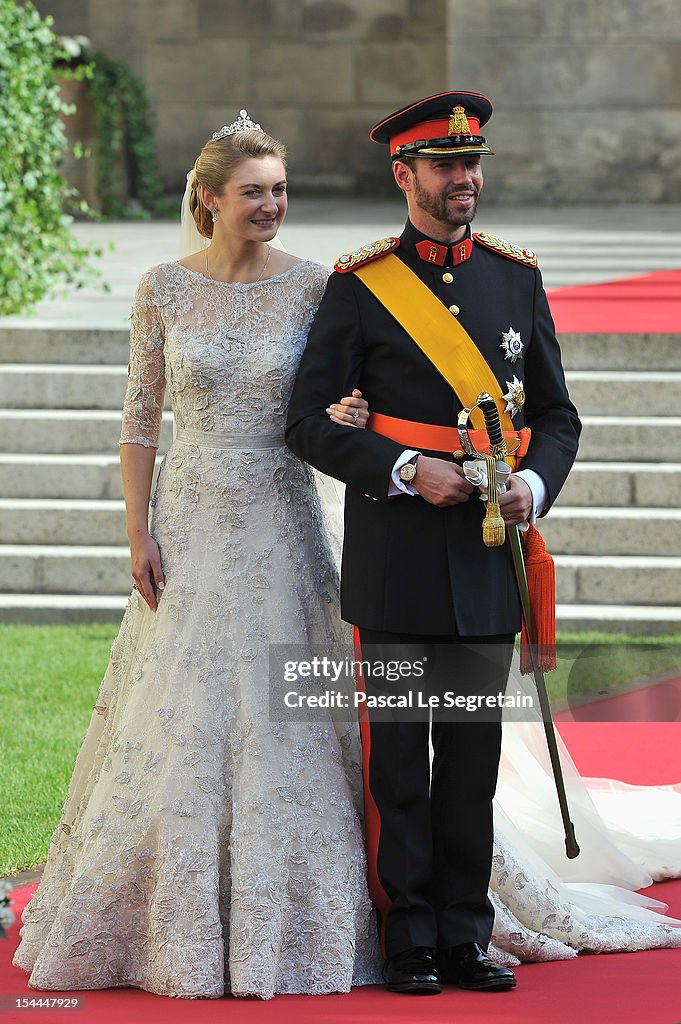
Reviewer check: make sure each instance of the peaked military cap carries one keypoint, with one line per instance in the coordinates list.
(447, 124)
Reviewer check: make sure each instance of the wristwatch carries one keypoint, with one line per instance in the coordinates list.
(408, 470)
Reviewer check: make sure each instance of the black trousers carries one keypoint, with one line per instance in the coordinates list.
(429, 833)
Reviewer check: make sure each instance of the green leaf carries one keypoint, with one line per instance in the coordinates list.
(39, 252)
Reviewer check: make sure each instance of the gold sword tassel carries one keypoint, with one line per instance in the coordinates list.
(493, 527)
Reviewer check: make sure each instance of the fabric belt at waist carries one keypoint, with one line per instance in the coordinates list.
(437, 438)
(215, 439)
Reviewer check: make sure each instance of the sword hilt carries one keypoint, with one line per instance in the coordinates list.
(493, 527)
(489, 410)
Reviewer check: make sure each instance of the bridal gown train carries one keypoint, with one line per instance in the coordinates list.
(203, 848)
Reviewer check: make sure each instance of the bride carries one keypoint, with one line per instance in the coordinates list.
(204, 848)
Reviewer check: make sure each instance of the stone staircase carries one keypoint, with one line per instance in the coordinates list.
(615, 531)
(63, 548)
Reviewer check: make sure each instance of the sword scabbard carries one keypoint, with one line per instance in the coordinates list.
(498, 445)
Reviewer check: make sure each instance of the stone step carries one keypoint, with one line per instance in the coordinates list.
(60, 476)
(597, 351)
(634, 620)
(606, 246)
(42, 609)
(62, 521)
(618, 579)
(63, 386)
(621, 351)
(629, 484)
(78, 386)
(636, 439)
(604, 438)
(624, 392)
(52, 609)
(641, 484)
(98, 476)
(599, 259)
(90, 345)
(102, 570)
(612, 531)
(567, 530)
(66, 430)
(64, 569)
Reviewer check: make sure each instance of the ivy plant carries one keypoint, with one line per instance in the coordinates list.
(38, 251)
(125, 140)
(128, 180)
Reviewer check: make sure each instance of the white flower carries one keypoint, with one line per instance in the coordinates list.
(70, 46)
(74, 45)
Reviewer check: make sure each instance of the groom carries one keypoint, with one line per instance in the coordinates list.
(416, 575)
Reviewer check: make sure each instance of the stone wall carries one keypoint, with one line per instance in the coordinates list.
(317, 73)
(586, 92)
(587, 96)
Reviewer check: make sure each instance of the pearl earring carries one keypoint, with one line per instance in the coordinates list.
(214, 216)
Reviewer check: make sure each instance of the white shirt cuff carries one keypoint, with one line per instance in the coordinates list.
(538, 488)
(398, 486)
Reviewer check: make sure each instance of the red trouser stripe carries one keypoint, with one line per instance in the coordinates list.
(372, 817)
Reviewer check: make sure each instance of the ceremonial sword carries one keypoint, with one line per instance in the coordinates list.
(493, 534)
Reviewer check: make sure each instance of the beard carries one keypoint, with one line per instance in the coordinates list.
(437, 207)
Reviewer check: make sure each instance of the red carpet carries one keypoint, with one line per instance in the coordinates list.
(660, 702)
(624, 988)
(647, 753)
(638, 305)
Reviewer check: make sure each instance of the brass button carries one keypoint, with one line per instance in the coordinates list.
(447, 278)
(455, 310)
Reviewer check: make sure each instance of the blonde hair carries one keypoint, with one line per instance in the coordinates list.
(217, 162)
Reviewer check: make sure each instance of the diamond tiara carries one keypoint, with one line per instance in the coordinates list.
(243, 123)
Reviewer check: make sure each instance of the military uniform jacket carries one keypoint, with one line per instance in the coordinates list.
(409, 566)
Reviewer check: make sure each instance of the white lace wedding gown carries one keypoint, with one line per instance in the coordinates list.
(202, 848)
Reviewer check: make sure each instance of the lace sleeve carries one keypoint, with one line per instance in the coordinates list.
(143, 405)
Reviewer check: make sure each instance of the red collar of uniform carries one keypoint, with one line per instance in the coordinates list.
(434, 252)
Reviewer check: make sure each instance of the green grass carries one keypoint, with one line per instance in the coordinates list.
(50, 675)
(598, 663)
(49, 678)
(619, 639)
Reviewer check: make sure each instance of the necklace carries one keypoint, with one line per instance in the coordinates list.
(258, 278)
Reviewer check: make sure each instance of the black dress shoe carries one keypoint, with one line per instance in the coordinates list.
(414, 971)
(468, 966)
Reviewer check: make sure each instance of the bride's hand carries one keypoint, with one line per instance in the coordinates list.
(351, 411)
(145, 565)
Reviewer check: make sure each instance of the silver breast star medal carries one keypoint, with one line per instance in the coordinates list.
(515, 396)
(512, 345)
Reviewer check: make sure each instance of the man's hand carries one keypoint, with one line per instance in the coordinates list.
(515, 503)
(441, 483)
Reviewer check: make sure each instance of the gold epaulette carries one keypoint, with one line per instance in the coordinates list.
(508, 249)
(351, 260)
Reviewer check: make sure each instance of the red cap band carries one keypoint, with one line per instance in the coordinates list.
(428, 130)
